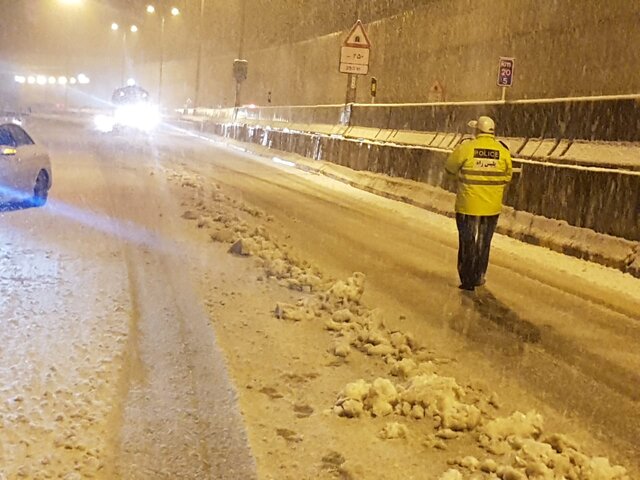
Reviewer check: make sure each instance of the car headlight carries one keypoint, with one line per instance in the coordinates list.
(142, 116)
(103, 123)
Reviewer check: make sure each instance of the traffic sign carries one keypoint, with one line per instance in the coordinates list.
(240, 69)
(354, 54)
(357, 37)
(354, 60)
(505, 71)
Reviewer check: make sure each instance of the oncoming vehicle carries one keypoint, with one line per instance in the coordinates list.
(25, 168)
(132, 109)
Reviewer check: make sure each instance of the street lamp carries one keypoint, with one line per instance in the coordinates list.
(174, 11)
(199, 57)
(133, 29)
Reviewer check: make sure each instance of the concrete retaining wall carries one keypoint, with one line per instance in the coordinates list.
(562, 48)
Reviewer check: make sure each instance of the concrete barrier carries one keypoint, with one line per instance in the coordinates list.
(604, 200)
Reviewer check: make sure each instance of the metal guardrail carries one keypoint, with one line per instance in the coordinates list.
(602, 118)
(551, 130)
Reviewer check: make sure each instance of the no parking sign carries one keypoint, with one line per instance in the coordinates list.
(505, 71)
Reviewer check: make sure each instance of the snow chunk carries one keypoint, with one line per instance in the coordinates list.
(510, 473)
(517, 425)
(381, 398)
(357, 390)
(342, 316)
(346, 292)
(203, 222)
(404, 368)
(599, 468)
(451, 474)
(244, 247)
(223, 236)
(469, 462)
(285, 311)
(393, 430)
(441, 396)
(342, 347)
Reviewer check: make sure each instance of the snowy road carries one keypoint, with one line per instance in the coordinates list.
(565, 330)
(98, 311)
(101, 319)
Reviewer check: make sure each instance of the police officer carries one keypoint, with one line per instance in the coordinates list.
(482, 167)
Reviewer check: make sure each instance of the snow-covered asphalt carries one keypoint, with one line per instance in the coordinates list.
(109, 367)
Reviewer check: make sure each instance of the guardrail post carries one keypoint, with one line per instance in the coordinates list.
(345, 116)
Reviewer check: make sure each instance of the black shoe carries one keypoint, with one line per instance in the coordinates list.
(481, 282)
(469, 288)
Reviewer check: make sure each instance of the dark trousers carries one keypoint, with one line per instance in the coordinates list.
(474, 242)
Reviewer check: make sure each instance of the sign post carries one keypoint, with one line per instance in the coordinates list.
(505, 74)
(354, 58)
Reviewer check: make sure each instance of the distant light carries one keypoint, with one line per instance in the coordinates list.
(20, 79)
(31, 80)
(52, 80)
(41, 80)
(134, 28)
(151, 9)
(175, 11)
(115, 26)
(131, 82)
(73, 80)
(83, 79)
(62, 80)
(71, 2)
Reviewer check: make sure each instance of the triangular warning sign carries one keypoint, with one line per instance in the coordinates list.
(436, 87)
(436, 92)
(357, 37)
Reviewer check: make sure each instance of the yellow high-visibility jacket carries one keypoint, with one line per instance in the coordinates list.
(483, 169)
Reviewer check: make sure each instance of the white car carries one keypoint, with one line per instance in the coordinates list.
(25, 168)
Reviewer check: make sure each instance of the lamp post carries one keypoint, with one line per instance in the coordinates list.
(68, 3)
(174, 12)
(132, 29)
(240, 66)
(199, 58)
